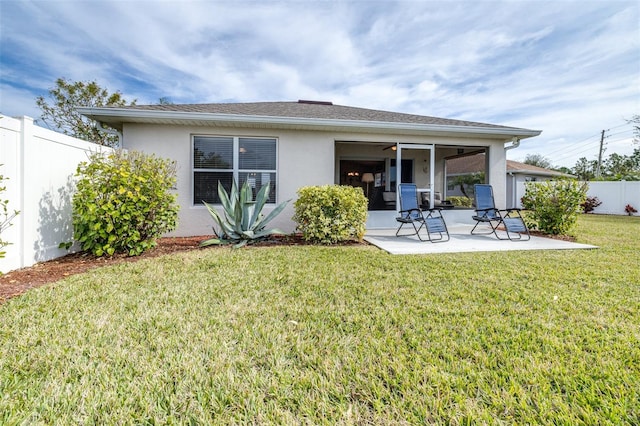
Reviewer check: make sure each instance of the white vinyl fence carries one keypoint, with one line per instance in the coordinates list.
(40, 165)
(614, 196)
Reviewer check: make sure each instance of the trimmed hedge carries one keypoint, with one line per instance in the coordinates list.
(330, 214)
(460, 201)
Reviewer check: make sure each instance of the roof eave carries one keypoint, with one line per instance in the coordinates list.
(115, 117)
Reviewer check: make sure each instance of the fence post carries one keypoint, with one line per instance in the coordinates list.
(25, 217)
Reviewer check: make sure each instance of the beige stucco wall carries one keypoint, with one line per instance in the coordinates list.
(497, 167)
(304, 158)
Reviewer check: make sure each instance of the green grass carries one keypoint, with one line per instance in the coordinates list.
(335, 335)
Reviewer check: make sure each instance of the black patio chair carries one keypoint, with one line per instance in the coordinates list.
(486, 212)
(410, 213)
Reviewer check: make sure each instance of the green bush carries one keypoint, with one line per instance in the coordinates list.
(590, 204)
(460, 201)
(553, 206)
(122, 203)
(242, 220)
(331, 213)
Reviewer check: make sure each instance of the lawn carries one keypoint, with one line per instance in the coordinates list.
(335, 335)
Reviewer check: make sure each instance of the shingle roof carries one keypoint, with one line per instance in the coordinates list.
(300, 115)
(313, 110)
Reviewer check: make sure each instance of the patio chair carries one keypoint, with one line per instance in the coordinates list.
(410, 213)
(486, 212)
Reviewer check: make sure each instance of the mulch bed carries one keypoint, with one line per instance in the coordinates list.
(17, 282)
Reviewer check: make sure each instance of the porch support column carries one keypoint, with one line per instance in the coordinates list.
(496, 168)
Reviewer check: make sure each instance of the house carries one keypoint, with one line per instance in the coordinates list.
(295, 144)
(516, 175)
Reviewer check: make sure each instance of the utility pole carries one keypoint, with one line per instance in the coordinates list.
(599, 166)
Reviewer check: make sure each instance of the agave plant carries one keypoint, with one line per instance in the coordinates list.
(242, 221)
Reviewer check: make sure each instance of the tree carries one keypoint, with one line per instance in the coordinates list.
(614, 167)
(635, 121)
(564, 169)
(617, 165)
(60, 111)
(537, 160)
(467, 181)
(584, 169)
(623, 167)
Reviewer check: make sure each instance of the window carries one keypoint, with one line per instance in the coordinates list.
(223, 159)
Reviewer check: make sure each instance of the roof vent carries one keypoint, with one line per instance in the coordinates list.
(303, 101)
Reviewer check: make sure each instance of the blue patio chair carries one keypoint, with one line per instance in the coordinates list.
(410, 213)
(486, 212)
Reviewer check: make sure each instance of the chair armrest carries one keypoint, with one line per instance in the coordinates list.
(410, 210)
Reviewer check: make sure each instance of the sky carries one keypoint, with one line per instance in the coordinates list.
(568, 68)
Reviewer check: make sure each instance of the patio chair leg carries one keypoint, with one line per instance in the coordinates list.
(416, 231)
(494, 230)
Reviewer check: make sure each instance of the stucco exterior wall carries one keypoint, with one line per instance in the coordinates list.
(497, 171)
(304, 158)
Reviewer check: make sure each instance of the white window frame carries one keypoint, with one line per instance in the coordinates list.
(235, 169)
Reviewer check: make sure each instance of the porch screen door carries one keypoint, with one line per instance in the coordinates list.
(432, 163)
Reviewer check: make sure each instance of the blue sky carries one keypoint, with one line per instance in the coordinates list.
(568, 68)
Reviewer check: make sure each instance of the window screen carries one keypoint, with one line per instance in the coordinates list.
(223, 159)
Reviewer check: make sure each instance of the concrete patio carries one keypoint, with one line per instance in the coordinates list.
(461, 241)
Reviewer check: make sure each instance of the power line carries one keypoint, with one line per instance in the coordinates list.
(577, 144)
(579, 148)
(617, 127)
(596, 135)
(619, 133)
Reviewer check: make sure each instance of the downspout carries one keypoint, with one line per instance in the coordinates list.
(513, 189)
(515, 142)
(111, 132)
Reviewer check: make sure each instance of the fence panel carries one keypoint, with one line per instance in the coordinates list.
(41, 165)
(10, 135)
(615, 196)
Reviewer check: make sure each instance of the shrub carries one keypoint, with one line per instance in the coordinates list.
(460, 201)
(630, 210)
(331, 213)
(590, 204)
(5, 216)
(554, 206)
(242, 220)
(122, 203)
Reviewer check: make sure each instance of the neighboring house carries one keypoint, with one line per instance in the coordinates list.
(295, 144)
(516, 175)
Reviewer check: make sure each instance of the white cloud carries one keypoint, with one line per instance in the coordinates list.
(568, 68)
